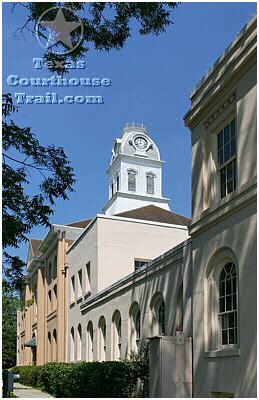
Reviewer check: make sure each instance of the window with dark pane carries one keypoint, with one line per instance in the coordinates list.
(228, 304)
(150, 183)
(161, 318)
(137, 326)
(227, 158)
(132, 181)
(117, 183)
(139, 264)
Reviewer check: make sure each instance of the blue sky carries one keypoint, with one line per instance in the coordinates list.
(152, 78)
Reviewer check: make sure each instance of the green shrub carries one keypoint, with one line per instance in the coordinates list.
(86, 379)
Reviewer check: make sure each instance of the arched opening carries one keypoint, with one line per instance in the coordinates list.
(55, 297)
(79, 342)
(55, 267)
(135, 327)
(158, 315)
(221, 301)
(72, 344)
(132, 180)
(34, 352)
(49, 302)
(49, 348)
(179, 310)
(55, 347)
(102, 339)
(150, 183)
(116, 328)
(90, 339)
(49, 274)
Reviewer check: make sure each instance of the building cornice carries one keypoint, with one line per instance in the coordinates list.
(134, 196)
(129, 157)
(227, 206)
(223, 77)
(234, 45)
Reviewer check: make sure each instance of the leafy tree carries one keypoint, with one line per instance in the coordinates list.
(23, 156)
(10, 303)
(106, 25)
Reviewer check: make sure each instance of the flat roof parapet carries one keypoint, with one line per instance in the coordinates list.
(223, 55)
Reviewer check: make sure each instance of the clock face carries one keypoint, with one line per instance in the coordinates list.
(140, 143)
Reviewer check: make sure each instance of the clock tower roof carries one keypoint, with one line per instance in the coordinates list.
(135, 142)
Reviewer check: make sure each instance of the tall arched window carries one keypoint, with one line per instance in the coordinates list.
(102, 339)
(161, 318)
(90, 340)
(135, 327)
(150, 183)
(117, 182)
(55, 267)
(49, 302)
(79, 342)
(179, 310)
(49, 275)
(49, 348)
(55, 347)
(116, 320)
(72, 344)
(221, 301)
(228, 304)
(132, 180)
(158, 315)
(55, 297)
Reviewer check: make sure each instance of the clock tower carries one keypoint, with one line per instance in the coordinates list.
(135, 172)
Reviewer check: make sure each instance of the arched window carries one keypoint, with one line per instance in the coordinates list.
(49, 348)
(161, 318)
(116, 322)
(102, 339)
(179, 310)
(55, 267)
(49, 302)
(132, 180)
(55, 347)
(49, 275)
(158, 315)
(221, 301)
(72, 344)
(150, 183)
(228, 304)
(117, 182)
(55, 299)
(79, 342)
(112, 189)
(135, 327)
(90, 339)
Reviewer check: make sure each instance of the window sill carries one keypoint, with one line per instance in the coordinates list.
(231, 352)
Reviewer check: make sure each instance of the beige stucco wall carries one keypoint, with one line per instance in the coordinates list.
(122, 241)
(227, 225)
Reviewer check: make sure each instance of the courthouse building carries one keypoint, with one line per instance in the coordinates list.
(139, 273)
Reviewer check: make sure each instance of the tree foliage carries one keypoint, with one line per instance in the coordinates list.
(10, 303)
(26, 161)
(106, 25)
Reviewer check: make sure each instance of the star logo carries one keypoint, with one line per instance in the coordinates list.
(58, 31)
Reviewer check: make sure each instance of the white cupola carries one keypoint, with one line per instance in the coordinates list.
(135, 172)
